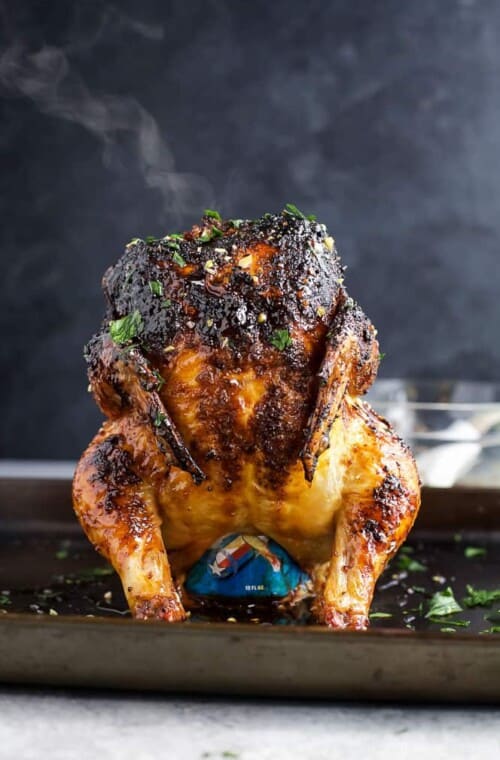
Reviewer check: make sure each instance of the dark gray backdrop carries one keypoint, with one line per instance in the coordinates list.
(123, 120)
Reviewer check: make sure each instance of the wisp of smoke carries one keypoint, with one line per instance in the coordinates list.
(47, 79)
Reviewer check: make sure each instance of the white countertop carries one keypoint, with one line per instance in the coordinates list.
(64, 725)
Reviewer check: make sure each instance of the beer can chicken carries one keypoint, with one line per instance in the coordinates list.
(231, 365)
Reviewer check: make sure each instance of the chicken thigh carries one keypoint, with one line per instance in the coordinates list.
(230, 367)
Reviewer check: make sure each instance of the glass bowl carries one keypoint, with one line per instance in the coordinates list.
(453, 427)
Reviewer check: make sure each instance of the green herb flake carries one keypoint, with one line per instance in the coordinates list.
(94, 572)
(212, 214)
(62, 554)
(493, 629)
(4, 600)
(176, 236)
(159, 419)
(210, 234)
(227, 753)
(456, 623)
(237, 223)
(380, 615)
(134, 241)
(443, 603)
(404, 563)
(418, 589)
(281, 339)
(480, 597)
(471, 552)
(448, 630)
(177, 259)
(156, 287)
(167, 303)
(173, 245)
(126, 329)
(292, 210)
(151, 239)
(160, 380)
(381, 356)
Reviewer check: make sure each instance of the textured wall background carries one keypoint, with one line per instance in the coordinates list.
(383, 118)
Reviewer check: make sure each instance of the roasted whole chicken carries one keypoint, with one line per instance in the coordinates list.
(230, 366)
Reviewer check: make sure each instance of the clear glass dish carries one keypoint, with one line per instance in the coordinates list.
(452, 426)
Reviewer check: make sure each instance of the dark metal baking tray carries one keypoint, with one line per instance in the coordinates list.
(48, 567)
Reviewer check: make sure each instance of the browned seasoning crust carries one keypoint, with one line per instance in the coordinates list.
(229, 365)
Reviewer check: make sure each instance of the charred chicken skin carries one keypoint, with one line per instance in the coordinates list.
(230, 367)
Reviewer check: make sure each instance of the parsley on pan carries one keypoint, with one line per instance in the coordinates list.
(443, 603)
(477, 597)
(95, 572)
(456, 623)
(380, 615)
(470, 552)
(406, 563)
(125, 329)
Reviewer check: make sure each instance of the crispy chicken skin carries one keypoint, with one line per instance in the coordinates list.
(230, 366)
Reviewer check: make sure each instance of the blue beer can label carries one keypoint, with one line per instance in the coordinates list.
(241, 565)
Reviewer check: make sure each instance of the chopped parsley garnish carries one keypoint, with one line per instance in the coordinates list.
(151, 239)
(480, 597)
(95, 572)
(470, 552)
(134, 241)
(159, 419)
(380, 615)
(160, 379)
(173, 245)
(212, 214)
(281, 339)
(62, 554)
(237, 222)
(292, 210)
(167, 303)
(381, 356)
(125, 329)
(4, 600)
(418, 589)
(177, 258)
(176, 236)
(493, 629)
(210, 234)
(406, 563)
(456, 623)
(448, 630)
(156, 287)
(443, 603)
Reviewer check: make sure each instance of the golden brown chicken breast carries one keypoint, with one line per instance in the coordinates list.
(230, 366)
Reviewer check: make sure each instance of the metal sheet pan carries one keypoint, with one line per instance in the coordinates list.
(47, 567)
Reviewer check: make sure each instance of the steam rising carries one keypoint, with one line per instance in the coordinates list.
(47, 79)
